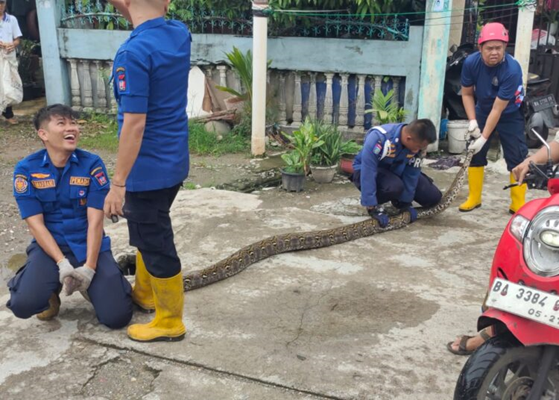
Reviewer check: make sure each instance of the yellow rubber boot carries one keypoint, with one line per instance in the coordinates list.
(142, 293)
(517, 196)
(52, 311)
(475, 183)
(167, 324)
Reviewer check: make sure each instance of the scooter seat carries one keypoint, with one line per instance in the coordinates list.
(537, 81)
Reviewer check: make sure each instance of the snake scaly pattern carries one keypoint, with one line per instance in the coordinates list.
(273, 245)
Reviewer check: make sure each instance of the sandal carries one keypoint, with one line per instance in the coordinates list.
(462, 351)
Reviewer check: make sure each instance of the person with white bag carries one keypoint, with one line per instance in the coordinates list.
(11, 87)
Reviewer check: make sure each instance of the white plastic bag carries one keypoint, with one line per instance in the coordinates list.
(11, 87)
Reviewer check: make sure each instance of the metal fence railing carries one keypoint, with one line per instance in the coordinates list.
(99, 14)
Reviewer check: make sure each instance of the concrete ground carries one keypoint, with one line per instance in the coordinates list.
(367, 319)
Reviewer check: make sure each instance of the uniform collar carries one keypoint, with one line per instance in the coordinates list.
(46, 159)
(152, 23)
(397, 138)
(5, 17)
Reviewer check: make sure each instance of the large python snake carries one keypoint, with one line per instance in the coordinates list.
(273, 245)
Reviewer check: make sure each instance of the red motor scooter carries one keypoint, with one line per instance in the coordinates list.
(521, 361)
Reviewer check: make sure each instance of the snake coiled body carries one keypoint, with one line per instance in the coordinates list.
(288, 242)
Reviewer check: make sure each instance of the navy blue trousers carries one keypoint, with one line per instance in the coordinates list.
(151, 231)
(390, 187)
(33, 285)
(511, 135)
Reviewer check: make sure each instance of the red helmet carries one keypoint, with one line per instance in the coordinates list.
(493, 31)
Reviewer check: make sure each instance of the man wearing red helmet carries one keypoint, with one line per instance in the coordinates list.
(494, 78)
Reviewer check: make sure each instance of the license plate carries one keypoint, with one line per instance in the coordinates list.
(523, 301)
(543, 102)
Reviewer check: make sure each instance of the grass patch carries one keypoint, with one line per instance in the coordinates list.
(190, 186)
(99, 132)
(202, 142)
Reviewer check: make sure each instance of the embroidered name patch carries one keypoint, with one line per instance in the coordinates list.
(40, 176)
(79, 181)
(20, 184)
(101, 178)
(45, 184)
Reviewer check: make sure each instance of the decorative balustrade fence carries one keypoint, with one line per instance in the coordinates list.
(331, 79)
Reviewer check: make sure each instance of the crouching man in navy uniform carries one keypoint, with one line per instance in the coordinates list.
(60, 192)
(388, 168)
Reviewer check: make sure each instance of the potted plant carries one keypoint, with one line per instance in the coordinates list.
(292, 175)
(348, 152)
(303, 141)
(325, 158)
(551, 14)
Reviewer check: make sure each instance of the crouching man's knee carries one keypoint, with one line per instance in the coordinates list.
(26, 306)
(116, 318)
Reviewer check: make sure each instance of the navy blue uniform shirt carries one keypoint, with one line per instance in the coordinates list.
(383, 149)
(63, 196)
(150, 76)
(503, 81)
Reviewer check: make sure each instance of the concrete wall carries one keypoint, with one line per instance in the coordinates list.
(365, 57)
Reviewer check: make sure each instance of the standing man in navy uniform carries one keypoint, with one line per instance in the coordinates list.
(494, 78)
(60, 192)
(150, 85)
(388, 168)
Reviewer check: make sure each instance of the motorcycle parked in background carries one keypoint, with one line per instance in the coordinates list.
(521, 361)
(538, 106)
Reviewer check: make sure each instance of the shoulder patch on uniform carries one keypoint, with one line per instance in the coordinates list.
(40, 176)
(377, 149)
(44, 184)
(79, 181)
(95, 170)
(20, 184)
(121, 79)
(101, 178)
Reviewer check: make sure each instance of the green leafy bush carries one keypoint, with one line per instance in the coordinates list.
(293, 162)
(386, 108)
(350, 148)
(304, 141)
(329, 152)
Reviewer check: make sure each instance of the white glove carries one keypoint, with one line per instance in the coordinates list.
(473, 129)
(478, 144)
(64, 269)
(78, 280)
